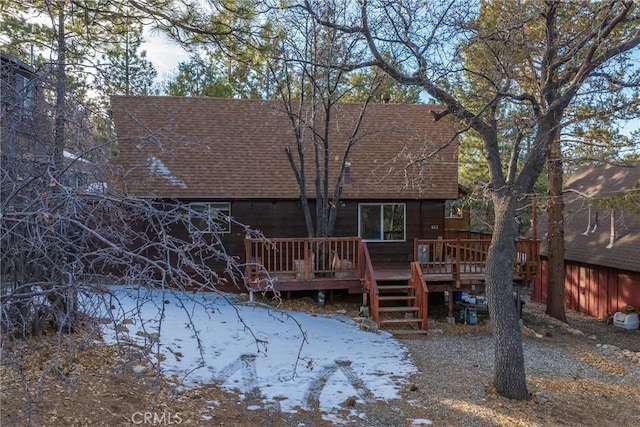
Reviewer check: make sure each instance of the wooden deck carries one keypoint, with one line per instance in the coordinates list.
(283, 265)
(305, 264)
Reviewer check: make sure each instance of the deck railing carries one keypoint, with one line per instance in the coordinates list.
(421, 293)
(457, 258)
(466, 234)
(527, 258)
(303, 258)
(299, 260)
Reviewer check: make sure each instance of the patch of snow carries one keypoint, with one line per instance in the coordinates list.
(97, 187)
(138, 369)
(420, 422)
(157, 166)
(69, 155)
(269, 357)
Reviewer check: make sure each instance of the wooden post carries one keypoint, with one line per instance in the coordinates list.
(534, 217)
(248, 257)
(307, 258)
(457, 265)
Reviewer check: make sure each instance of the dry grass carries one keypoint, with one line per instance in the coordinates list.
(95, 385)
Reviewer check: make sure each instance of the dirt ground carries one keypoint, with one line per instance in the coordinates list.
(93, 385)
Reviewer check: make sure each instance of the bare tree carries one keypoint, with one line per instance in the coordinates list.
(69, 234)
(311, 91)
(68, 231)
(431, 37)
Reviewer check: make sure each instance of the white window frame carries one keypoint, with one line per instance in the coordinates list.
(382, 230)
(219, 212)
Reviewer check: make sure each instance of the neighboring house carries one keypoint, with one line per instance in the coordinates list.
(18, 85)
(23, 129)
(602, 243)
(27, 155)
(26, 127)
(228, 156)
(26, 131)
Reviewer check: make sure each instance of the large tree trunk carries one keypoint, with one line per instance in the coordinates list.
(509, 374)
(555, 234)
(64, 296)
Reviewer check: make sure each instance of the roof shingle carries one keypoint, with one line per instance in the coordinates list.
(229, 148)
(586, 240)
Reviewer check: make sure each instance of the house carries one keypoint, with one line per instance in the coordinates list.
(47, 195)
(227, 157)
(18, 83)
(26, 128)
(602, 240)
(27, 151)
(25, 131)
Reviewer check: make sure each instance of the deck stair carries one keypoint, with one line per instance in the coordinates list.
(397, 307)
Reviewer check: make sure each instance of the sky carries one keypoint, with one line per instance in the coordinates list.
(314, 362)
(163, 53)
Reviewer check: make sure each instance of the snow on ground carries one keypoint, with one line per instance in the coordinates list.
(272, 358)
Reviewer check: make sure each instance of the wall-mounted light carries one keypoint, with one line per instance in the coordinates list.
(346, 176)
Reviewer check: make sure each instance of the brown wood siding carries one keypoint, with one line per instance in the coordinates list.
(433, 222)
(594, 290)
(284, 218)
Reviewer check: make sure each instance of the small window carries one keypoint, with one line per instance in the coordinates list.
(76, 179)
(382, 222)
(210, 218)
(24, 93)
(454, 208)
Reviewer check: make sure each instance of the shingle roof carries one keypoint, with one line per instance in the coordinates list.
(596, 182)
(228, 148)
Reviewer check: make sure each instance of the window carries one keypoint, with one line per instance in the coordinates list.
(453, 208)
(210, 218)
(382, 221)
(24, 93)
(76, 179)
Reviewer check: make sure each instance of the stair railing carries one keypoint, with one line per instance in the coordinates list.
(421, 293)
(370, 283)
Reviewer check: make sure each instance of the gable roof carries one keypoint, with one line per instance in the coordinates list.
(230, 148)
(588, 231)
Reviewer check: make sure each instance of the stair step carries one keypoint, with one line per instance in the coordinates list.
(402, 288)
(396, 309)
(411, 320)
(397, 298)
(407, 331)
